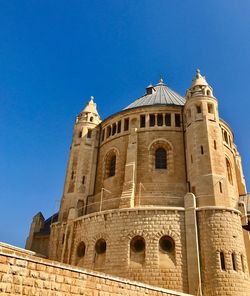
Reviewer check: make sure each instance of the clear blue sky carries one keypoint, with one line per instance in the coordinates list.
(55, 54)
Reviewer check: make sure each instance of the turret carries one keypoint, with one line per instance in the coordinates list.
(80, 175)
(206, 159)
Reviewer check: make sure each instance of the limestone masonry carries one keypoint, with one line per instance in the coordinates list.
(155, 194)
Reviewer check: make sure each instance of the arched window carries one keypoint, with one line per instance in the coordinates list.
(234, 261)
(112, 164)
(160, 158)
(229, 172)
(222, 261)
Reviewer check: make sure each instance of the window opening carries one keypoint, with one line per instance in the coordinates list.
(202, 150)
(210, 108)
(89, 133)
(137, 244)
(80, 134)
(234, 261)
(108, 131)
(215, 145)
(119, 127)
(103, 134)
(166, 244)
(142, 121)
(81, 249)
(113, 129)
(168, 119)
(126, 124)
(160, 158)
(242, 262)
(100, 246)
(198, 108)
(229, 172)
(220, 184)
(159, 120)
(112, 164)
(177, 120)
(83, 179)
(222, 261)
(151, 119)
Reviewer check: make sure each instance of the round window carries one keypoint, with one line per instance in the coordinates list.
(100, 246)
(81, 249)
(166, 244)
(137, 244)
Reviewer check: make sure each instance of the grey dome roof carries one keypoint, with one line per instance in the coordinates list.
(159, 94)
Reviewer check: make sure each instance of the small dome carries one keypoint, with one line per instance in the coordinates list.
(199, 80)
(161, 95)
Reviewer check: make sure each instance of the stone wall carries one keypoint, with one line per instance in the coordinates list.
(21, 273)
(118, 228)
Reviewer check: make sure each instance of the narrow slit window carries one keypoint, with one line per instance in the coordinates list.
(191, 158)
(152, 120)
(103, 134)
(229, 172)
(177, 120)
(222, 261)
(210, 108)
(108, 131)
(80, 134)
(83, 179)
(168, 119)
(202, 150)
(142, 121)
(119, 126)
(112, 165)
(220, 185)
(159, 120)
(215, 145)
(126, 124)
(242, 262)
(72, 175)
(234, 261)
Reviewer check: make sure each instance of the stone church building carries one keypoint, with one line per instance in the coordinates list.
(154, 193)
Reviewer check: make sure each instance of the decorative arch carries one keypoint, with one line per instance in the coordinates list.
(157, 156)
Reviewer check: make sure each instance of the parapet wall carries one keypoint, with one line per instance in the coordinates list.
(22, 273)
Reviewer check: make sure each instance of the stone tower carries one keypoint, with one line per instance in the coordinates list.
(80, 175)
(211, 173)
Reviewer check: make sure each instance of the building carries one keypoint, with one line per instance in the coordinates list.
(154, 193)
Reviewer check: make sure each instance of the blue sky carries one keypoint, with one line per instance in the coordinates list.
(55, 54)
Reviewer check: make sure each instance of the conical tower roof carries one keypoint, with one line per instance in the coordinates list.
(160, 94)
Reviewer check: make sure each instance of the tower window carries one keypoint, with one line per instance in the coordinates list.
(151, 119)
(168, 119)
(89, 133)
(198, 108)
(83, 179)
(113, 129)
(159, 120)
(208, 92)
(112, 164)
(222, 261)
(220, 185)
(191, 158)
(210, 108)
(142, 121)
(160, 158)
(81, 250)
(126, 124)
(242, 262)
(229, 172)
(72, 175)
(225, 137)
(80, 134)
(177, 120)
(202, 150)
(91, 118)
(234, 261)
(119, 126)
(215, 146)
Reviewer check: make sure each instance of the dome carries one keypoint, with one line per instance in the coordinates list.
(160, 94)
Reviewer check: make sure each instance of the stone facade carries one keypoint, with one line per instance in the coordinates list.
(152, 194)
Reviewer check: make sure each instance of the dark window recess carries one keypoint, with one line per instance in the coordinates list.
(229, 172)
(166, 244)
(137, 244)
(215, 145)
(168, 119)
(210, 108)
(191, 159)
(222, 261)
(103, 134)
(112, 164)
(202, 150)
(234, 261)
(100, 246)
(72, 175)
(81, 249)
(91, 118)
(142, 121)
(119, 127)
(160, 158)
(108, 131)
(242, 263)
(80, 134)
(114, 129)
(83, 179)
(220, 184)
(89, 134)
(151, 119)
(177, 120)
(198, 108)
(126, 124)
(159, 120)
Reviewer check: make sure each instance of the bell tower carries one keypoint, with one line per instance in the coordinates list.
(80, 175)
(206, 164)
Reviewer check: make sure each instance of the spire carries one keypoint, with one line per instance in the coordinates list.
(199, 80)
(89, 113)
(161, 79)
